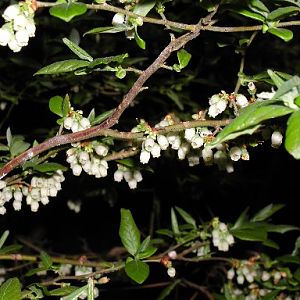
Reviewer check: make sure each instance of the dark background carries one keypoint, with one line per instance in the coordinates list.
(271, 175)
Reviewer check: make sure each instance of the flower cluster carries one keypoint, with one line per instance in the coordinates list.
(131, 176)
(191, 145)
(251, 279)
(76, 122)
(19, 26)
(88, 159)
(222, 238)
(219, 102)
(39, 191)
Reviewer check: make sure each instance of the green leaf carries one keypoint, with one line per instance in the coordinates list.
(250, 232)
(90, 291)
(267, 212)
(107, 60)
(60, 106)
(250, 14)
(278, 81)
(129, 233)
(109, 29)
(63, 66)
(75, 294)
(35, 271)
(18, 146)
(183, 58)
(165, 232)
(271, 244)
(10, 289)
(46, 260)
(167, 291)
(137, 270)
(287, 86)
(49, 167)
(140, 42)
(258, 6)
(292, 135)
(243, 218)
(186, 216)
(282, 12)
(174, 222)
(3, 238)
(144, 7)
(10, 249)
(272, 295)
(62, 291)
(281, 228)
(102, 117)
(77, 50)
(67, 11)
(149, 251)
(174, 96)
(284, 34)
(251, 116)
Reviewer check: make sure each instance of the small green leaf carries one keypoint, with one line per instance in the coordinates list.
(49, 167)
(146, 253)
(10, 290)
(282, 12)
(77, 50)
(186, 216)
(242, 219)
(18, 146)
(144, 7)
(60, 106)
(250, 14)
(107, 60)
(62, 291)
(140, 42)
(258, 6)
(129, 233)
(67, 11)
(63, 66)
(137, 270)
(174, 222)
(267, 212)
(281, 228)
(278, 81)
(75, 294)
(10, 249)
(292, 135)
(110, 29)
(284, 34)
(183, 58)
(46, 260)
(102, 117)
(90, 291)
(272, 295)
(3, 238)
(34, 271)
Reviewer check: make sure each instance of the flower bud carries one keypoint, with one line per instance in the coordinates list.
(171, 272)
(144, 157)
(241, 101)
(162, 142)
(276, 139)
(101, 150)
(118, 19)
(11, 12)
(118, 175)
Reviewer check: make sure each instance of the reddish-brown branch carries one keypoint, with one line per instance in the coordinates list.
(99, 130)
